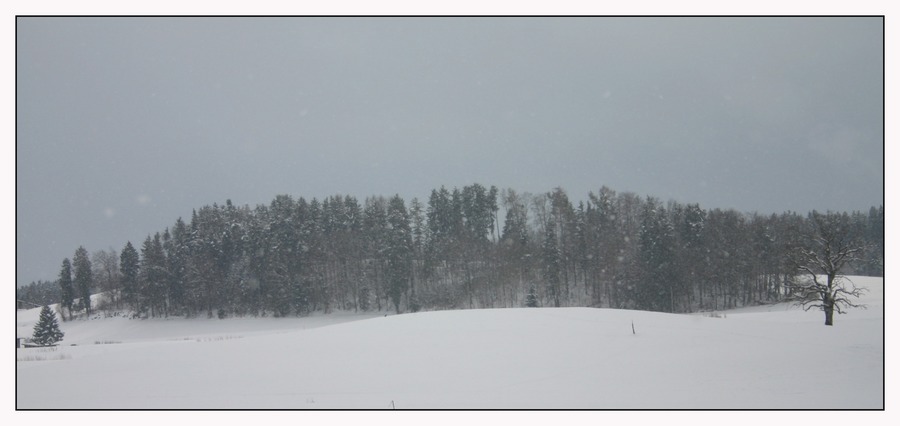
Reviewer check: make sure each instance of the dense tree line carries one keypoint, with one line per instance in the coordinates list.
(39, 293)
(297, 256)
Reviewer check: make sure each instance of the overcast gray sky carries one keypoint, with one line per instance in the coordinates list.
(125, 124)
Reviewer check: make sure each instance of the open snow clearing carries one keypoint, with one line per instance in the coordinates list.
(775, 356)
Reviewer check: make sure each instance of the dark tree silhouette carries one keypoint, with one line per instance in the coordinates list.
(83, 279)
(829, 244)
(46, 331)
(67, 289)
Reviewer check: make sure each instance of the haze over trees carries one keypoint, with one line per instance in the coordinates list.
(616, 250)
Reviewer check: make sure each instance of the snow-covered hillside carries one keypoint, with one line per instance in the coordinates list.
(764, 357)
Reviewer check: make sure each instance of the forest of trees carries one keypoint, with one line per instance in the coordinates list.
(39, 293)
(297, 256)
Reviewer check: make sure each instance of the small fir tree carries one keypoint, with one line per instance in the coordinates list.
(531, 299)
(364, 299)
(46, 331)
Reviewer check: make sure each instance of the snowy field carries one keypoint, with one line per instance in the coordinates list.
(754, 358)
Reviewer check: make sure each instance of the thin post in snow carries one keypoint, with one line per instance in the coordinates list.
(632, 327)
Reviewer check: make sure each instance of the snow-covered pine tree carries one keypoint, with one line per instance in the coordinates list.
(531, 299)
(46, 331)
(399, 250)
(129, 264)
(364, 299)
(550, 262)
(84, 277)
(375, 236)
(657, 253)
(177, 254)
(153, 275)
(66, 288)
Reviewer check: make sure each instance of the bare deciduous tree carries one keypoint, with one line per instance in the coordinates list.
(829, 244)
(106, 274)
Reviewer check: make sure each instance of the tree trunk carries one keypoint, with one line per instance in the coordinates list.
(829, 310)
(829, 315)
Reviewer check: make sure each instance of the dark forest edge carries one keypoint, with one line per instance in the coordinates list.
(295, 257)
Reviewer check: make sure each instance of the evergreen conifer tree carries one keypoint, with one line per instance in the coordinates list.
(531, 299)
(551, 265)
(129, 263)
(177, 264)
(399, 250)
(152, 278)
(364, 298)
(66, 288)
(46, 331)
(657, 253)
(84, 277)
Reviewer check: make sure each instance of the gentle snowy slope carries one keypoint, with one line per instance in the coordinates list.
(766, 357)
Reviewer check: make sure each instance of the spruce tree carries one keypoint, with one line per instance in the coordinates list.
(551, 260)
(152, 279)
(46, 331)
(84, 278)
(66, 288)
(129, 263)
(531, 299)
(177, 263)
(399, 250)
(364, 299)
(655, 291)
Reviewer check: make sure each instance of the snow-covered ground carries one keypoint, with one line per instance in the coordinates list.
(764, 357)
